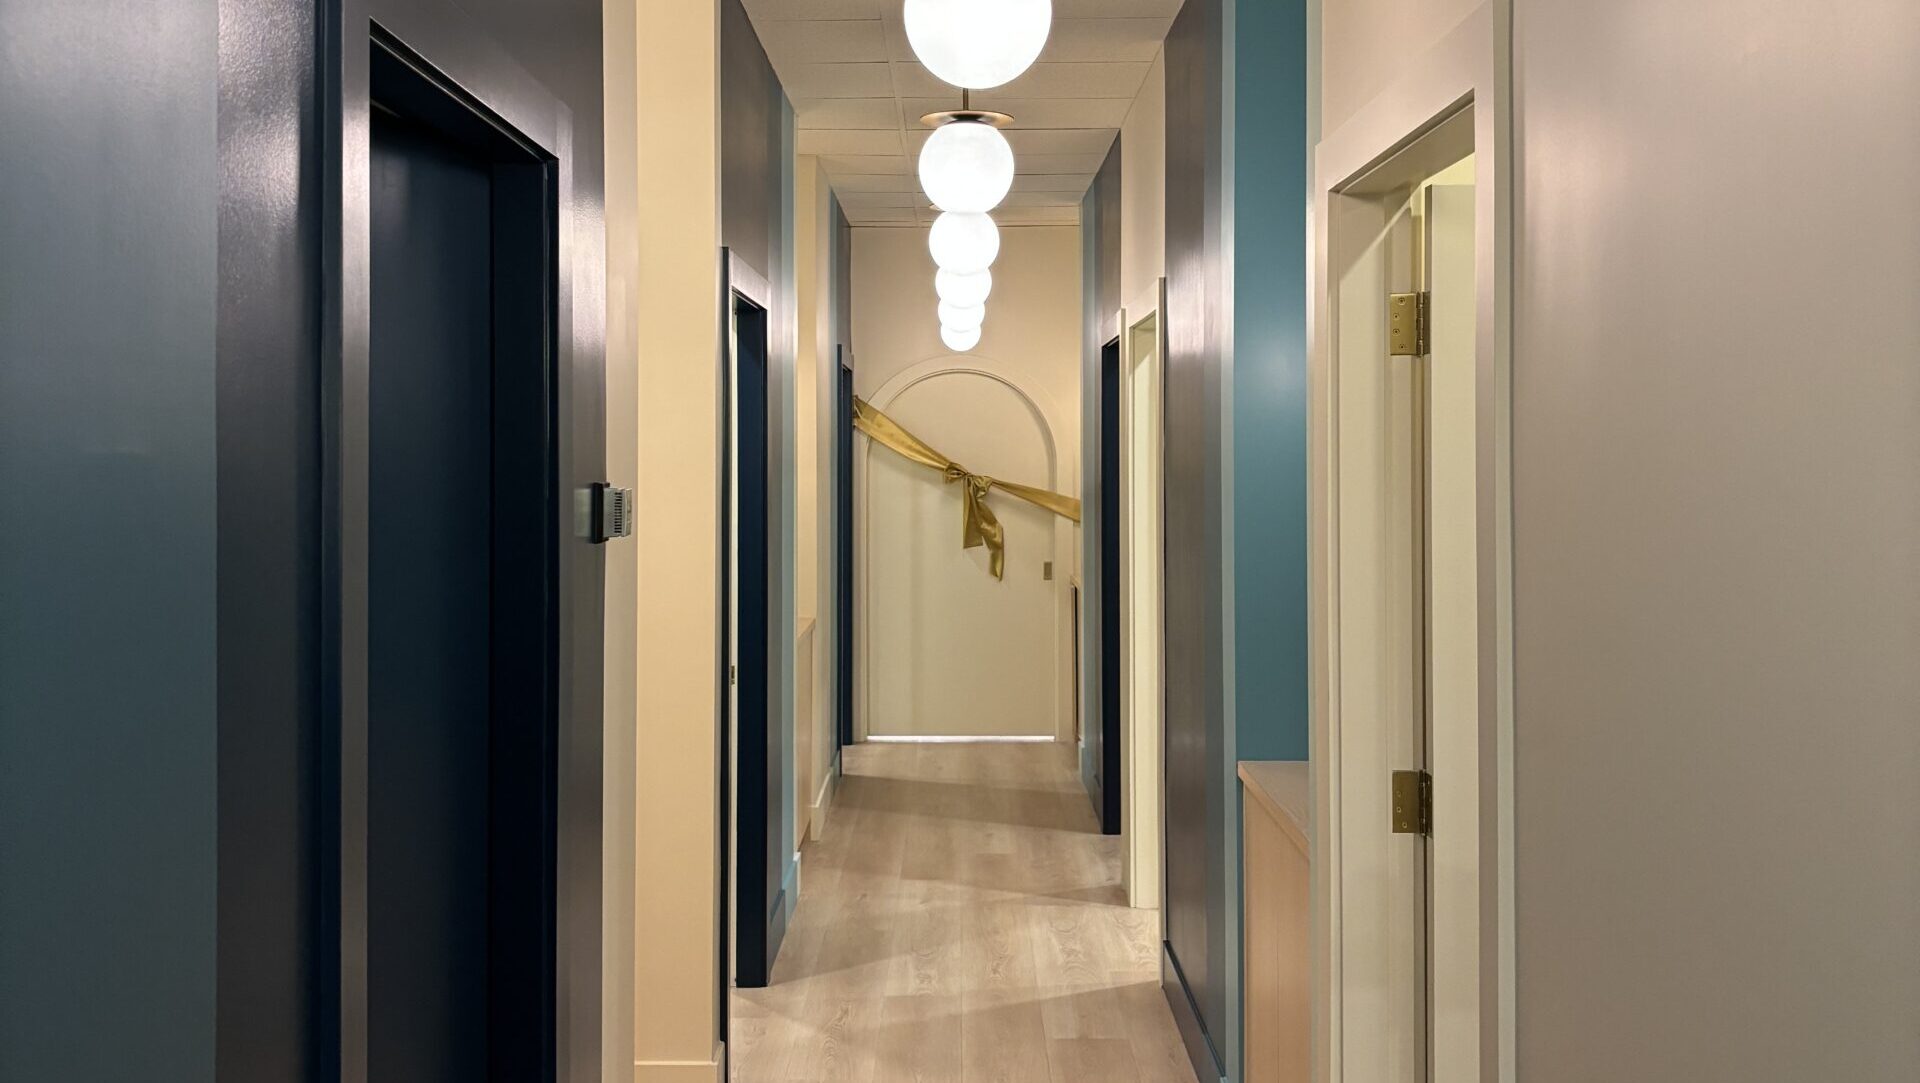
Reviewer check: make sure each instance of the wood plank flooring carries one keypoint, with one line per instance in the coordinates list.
(963, 921)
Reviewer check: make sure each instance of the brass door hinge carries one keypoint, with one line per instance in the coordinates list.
(1407, 324)
(1412, 803)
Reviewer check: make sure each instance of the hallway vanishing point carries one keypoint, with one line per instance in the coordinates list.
(961, 920)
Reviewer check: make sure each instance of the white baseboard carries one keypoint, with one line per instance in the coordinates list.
(683, 1071)
(822, 802)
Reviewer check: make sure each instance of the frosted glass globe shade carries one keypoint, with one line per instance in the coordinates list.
(966, 166)
(960, 341)
(978, 44)
(964, 289)
(964, 241)
(962, 317)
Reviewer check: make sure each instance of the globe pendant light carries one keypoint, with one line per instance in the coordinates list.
(966, 165)
(964, 289)
(978, 44)
(964, 241)
(962, 317)
(960, 341)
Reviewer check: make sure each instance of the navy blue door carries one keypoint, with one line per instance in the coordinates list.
(759, 908)
(461, 601)
(843, 555)
(1103, 737)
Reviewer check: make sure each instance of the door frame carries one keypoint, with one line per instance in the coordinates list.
(1467, 69)
(443, 42)
(1143, 732)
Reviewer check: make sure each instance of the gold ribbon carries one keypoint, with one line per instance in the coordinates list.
(978, 525)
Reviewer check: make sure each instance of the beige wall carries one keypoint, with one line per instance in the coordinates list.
(1032, 336)
(663, 426)
(1143, 189)
(813, 262)
(1033, 318)
(1364, 43)
(1717, 540)
(1716, 588)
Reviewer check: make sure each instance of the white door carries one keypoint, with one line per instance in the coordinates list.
(1453, 649)
(952, 652)
(1383, 875)
(1407, 557)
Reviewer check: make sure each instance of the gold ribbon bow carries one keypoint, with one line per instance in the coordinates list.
(978, 525)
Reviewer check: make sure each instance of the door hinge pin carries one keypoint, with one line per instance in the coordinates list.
(1407, 319)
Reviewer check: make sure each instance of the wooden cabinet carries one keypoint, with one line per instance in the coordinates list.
(1279, 973)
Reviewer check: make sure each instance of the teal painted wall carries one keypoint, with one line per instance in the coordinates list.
(1266, 154)
(1237, 175)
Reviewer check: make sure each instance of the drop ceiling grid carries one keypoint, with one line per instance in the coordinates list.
(1067, 108)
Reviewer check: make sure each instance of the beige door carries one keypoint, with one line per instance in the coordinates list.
(1408, 640)
(952, 652)
(1452, 640)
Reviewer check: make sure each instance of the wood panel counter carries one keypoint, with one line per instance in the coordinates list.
(1278, 1018)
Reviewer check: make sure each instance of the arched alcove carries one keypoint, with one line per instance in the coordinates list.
(945, 649)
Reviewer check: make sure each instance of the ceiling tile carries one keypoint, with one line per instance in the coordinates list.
(872, 216)
(860, 93)
(847, 113)
(1088, 164)
(847, 183)
(1083, 80)
(840, 164)
(1059, 112)
(867, 200)
(840, 141)
(1039, 216)
(913, 81)
(1076, 40)
(1073, 40)
(828, 41)
(1077, 183)
(1043, 199)
(1110, 9)
(772, 10)
(1093, 141)
(808, 81)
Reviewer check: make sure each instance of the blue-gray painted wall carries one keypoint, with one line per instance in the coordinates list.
(1100, 217)
(757, 223)
(109, 193)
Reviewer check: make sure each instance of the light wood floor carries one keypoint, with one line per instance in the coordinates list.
(962, 922)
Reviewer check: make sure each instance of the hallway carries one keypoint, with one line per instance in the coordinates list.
(961, 920)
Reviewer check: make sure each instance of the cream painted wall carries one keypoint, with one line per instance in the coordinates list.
(1033, 318)
(813, 234)
(808, 180)
(951, 651)
(1143, 189)
(663, 411)
(1364, 42)
(1032, 336)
